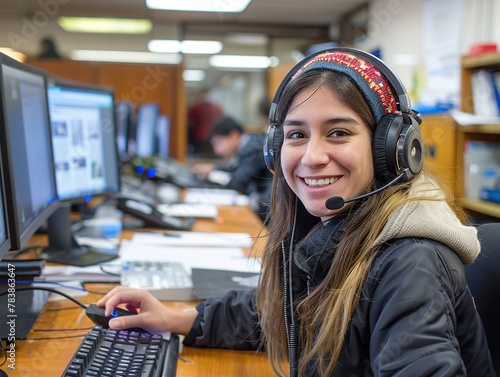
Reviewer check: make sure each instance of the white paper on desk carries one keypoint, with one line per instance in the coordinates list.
(211, 239)
(227, 258)
(103, 272)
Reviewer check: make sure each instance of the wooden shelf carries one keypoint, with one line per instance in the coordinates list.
(480, 61)
(479, 132)
(481, 129)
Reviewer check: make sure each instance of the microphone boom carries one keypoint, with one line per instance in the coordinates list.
(337, 202)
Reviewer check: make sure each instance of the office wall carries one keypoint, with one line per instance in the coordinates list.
(396, 27)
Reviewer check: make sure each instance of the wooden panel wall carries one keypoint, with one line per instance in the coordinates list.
(137, 83)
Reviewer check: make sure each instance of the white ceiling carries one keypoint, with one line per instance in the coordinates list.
(271, 27)
(293, 12)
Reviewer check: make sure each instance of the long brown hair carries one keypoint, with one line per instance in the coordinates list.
(326, 312)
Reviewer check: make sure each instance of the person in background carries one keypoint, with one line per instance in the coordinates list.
(201, 117)
(244, 168)
(363, 270)
(48, 49)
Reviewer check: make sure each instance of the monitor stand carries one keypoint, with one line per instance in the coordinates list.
(63, 247)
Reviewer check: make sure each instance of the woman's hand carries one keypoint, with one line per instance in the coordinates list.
(151, 315)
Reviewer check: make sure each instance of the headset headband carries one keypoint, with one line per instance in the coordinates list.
(402, 99)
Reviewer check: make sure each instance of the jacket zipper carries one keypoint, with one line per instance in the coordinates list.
(291, 330)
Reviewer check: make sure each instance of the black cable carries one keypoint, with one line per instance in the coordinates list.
(60, 309)
(101, 267)
(49, 290)
(59, 284)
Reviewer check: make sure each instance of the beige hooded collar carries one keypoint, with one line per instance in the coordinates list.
(433, 219)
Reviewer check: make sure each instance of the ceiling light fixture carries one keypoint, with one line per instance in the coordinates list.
(243, 61)
(125, 56)
(185, 47)
(105, 25)
(233, 6)
(193, 75)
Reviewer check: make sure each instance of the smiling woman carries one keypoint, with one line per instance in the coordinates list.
(355, 276)
(372, 288)
(326, 149)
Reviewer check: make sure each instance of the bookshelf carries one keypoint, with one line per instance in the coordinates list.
(478, 132)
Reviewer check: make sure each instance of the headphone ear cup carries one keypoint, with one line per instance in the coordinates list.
(397, 145)
(384, 147)
(411, 150)
(272, 144)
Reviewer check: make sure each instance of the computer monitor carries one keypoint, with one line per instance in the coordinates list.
(26, 150)
(125, 129)
(4, 227)
(83, 139)
(163, 136)
(147, 119)
(30, 188)
(83, 129)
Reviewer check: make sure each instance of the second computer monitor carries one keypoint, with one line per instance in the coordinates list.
(146, 138)
(84, 140)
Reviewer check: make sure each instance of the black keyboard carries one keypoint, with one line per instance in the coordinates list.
(106, 352)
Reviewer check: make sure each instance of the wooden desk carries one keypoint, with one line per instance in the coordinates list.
(62, 324)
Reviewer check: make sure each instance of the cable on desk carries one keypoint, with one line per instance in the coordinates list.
(59, 284)
(49, 290)
(101, 267)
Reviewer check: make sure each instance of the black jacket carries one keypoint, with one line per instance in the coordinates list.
(249, 173)
(416, 318)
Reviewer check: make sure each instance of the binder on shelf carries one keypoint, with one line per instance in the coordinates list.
(481, 167)
(484, 93)
(490, 195)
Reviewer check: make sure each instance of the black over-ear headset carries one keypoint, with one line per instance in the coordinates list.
(397, 142)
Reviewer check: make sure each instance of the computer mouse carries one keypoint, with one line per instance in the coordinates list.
(96, 314)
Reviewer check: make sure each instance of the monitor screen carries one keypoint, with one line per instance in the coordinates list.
(163, 136)
(26, 149)
(147, 119)
(83, 139)
(124, 115)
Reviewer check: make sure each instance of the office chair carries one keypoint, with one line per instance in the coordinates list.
(483, 277)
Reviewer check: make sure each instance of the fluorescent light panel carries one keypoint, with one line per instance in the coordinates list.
(193, 75)
(125, 56)
(105, 25)
(242, 61)
(185, 47)
(223, 6)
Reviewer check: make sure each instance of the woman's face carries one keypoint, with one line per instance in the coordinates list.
(326, 150)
